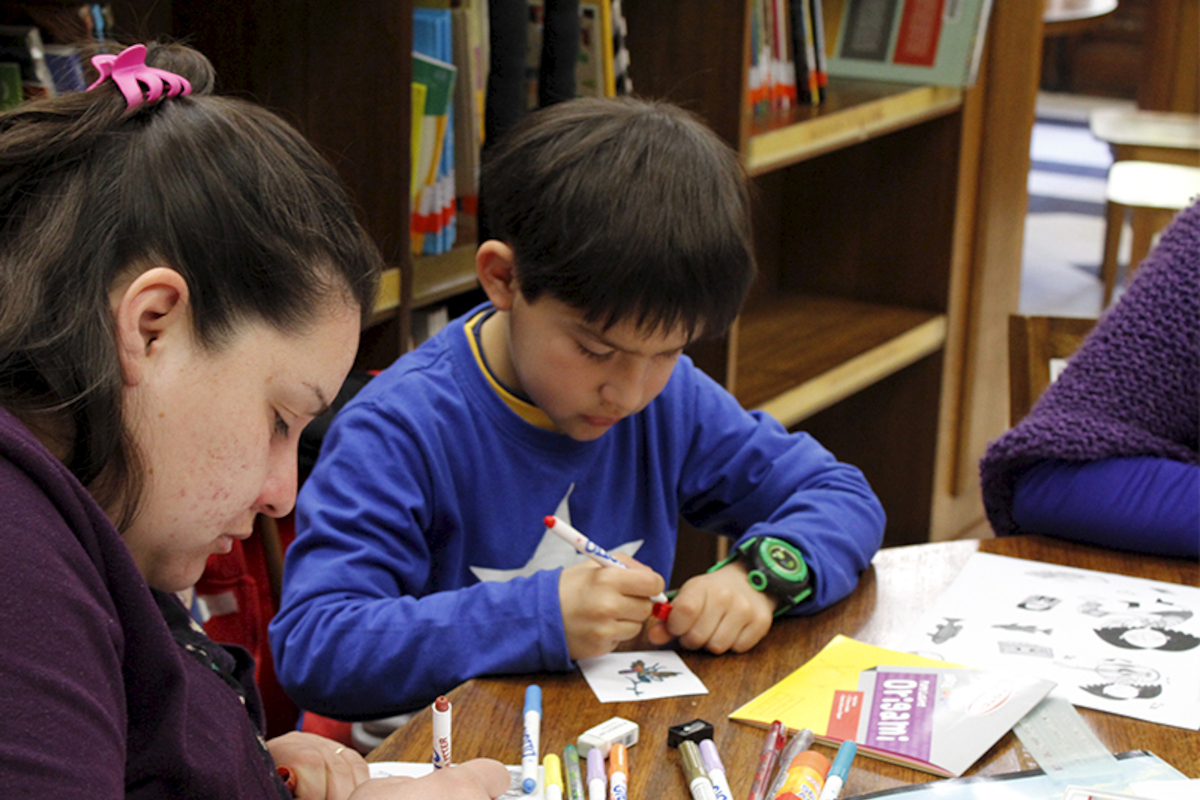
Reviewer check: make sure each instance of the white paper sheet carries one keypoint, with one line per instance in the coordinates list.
(1125, 645)
(640, 675)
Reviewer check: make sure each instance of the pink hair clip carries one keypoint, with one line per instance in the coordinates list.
(128, 69)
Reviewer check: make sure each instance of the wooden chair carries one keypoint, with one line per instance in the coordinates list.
(1037, 348)
(1155, 173)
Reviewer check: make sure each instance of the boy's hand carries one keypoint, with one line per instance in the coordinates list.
(603, 607)
(718, 611)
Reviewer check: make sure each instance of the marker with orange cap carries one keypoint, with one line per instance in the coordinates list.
(805, 777)
(585, 546)
(618, 772)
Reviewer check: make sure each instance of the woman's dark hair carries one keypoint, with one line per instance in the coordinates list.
(626, 210)
(221, 190)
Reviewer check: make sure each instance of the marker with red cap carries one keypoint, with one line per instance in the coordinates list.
(441, 733)
(585, 546)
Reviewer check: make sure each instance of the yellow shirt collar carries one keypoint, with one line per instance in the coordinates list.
(522, 408)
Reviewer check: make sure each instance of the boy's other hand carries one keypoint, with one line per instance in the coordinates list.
(480, 779)
(603, 607)
(718, 611)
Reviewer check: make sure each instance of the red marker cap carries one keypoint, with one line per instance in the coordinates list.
(661, 611)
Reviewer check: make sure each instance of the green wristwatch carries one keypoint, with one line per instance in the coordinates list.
(774, 567)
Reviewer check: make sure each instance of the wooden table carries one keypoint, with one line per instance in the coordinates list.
(901, 584)
(1064, 17)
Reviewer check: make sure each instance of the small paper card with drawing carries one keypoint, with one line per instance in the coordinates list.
(643, 675)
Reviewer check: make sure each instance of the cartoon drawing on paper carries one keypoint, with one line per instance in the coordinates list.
(946, 631)
(1012, 626)
(1011, 648)
(1138, 639)
(1038, 602)
(642, 674)
(1147, 637)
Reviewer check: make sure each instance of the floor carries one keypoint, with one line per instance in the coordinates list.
(1064, 229)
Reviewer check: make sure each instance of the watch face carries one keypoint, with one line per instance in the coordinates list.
(784, 561)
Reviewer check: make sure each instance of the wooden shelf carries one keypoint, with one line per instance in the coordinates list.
(437, 278)
(800, 354)
(854, 111)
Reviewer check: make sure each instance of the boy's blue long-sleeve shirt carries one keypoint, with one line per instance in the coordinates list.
(421, 559)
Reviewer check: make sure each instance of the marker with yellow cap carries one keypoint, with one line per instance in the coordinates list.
(554, 780)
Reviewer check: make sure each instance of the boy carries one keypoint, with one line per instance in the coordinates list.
(622, 234)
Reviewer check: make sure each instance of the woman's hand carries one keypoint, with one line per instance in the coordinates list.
(481, 779)
(326, 770)
(323, 768)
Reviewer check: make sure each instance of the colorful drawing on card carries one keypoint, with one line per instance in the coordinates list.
(641, 675)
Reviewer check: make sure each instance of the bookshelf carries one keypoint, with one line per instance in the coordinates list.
(888, 220)
(888, 231)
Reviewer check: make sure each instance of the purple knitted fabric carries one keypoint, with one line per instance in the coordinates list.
(1133, 389)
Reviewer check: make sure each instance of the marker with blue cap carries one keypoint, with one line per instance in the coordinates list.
(840, 769)
(529, 743)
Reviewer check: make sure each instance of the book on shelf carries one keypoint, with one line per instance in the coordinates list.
(782, 91)
(589, 71)
(622, 82)
(899, 707)
(819, 49)
(759, 75)
(803, 33)
(11, 92)
(470, 87)
(936, 42)
(22, 45)
(607, 55)
(66, 67)
(419, 93)
(597, 64)
(433, 229)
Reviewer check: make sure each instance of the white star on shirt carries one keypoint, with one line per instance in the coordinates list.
(552, 552)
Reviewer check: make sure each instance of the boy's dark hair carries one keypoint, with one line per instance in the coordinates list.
(221, 190)
(626, 210)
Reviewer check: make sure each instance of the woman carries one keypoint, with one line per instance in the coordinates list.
(182, 286)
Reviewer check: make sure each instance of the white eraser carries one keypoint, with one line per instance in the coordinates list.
(608, 733)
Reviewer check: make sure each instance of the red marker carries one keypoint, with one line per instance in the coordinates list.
(766, 760)
(585, 546)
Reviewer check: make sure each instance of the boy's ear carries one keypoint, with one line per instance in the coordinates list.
(149, 312)
(495, 265)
